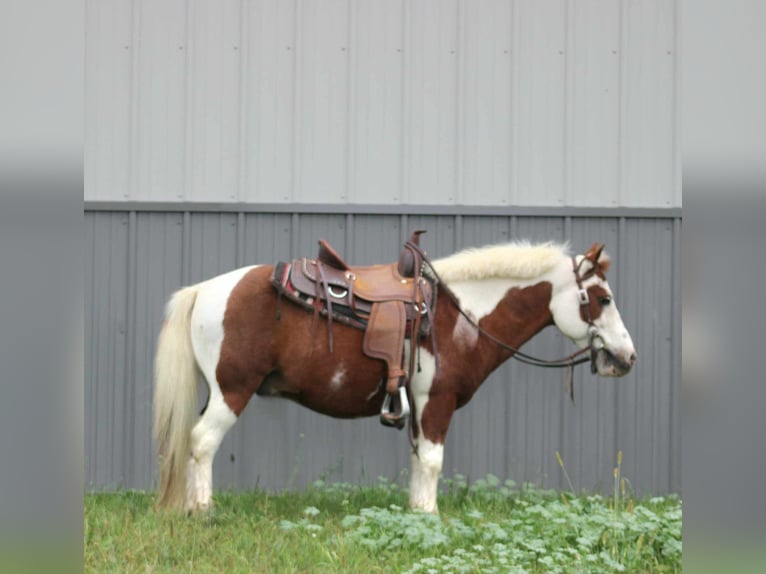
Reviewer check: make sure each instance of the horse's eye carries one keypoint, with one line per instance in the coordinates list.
(605, 300)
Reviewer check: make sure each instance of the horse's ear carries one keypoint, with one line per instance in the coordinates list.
(604, 262)
(594, 252)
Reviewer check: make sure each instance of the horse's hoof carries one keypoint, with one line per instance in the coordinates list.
(201, 509)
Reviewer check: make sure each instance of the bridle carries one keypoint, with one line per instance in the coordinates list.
(567, 362)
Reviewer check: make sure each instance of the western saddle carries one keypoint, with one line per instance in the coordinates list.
(388, 302)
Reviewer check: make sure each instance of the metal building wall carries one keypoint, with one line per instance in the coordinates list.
(513, 426)
(225, 133)
(443, 102)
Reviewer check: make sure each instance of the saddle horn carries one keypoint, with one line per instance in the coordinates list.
(407, 261)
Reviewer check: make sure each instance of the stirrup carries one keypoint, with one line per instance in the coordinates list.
(390, 418)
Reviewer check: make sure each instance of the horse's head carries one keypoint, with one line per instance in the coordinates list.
(584, 310)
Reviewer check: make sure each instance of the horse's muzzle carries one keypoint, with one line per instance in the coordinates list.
(609, 364)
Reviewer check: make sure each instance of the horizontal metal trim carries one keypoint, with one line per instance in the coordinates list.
(374, 209)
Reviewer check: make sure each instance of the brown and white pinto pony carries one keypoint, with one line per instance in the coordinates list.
(226, 328)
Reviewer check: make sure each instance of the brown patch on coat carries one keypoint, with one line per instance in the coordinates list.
(594, 306)
(290, 357)
(521, 314)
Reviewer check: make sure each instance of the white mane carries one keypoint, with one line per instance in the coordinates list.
(516, 260)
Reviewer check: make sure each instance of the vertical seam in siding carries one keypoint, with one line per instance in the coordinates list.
(92, 457)
(621, 98)
(460, 123)
(240, 241)
(295, 156)
(133, 148)
(675, 363)
(348, 239)
(565, 403)
(244, 50)
(130, 350)
(513, 179)
(349, 190)
(676, 195)
(567, 152)
(186, 250)
(622, 257)
(404, 173)
(186, 177)
(294, 234)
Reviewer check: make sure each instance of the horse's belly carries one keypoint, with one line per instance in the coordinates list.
(340, 395)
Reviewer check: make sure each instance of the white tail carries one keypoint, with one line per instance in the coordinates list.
(175, 397)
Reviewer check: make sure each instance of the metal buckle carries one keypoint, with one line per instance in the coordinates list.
(582, 296)
(593, 335)
(337, 294)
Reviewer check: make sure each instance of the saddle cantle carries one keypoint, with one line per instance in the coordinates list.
(390, 303)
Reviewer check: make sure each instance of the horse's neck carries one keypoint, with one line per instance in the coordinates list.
(511, 313)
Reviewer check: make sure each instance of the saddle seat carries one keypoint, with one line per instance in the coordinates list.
(389, 303)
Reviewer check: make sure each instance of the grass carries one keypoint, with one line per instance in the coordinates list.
(487, 527)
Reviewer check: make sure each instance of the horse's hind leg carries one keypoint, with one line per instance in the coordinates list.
(206, 437)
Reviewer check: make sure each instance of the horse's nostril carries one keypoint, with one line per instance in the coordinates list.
(633, 359)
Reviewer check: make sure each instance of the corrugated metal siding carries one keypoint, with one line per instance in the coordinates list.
(526, 102)
(513, 426)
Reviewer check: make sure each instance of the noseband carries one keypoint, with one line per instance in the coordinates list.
(567, 362)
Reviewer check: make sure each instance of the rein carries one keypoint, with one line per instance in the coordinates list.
(567, 362)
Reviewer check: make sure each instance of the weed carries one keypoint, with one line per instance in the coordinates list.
(490, 526)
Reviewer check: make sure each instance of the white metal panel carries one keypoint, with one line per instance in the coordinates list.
(649, 113)
(269, 103)
(531, 103)
(593, 110)
(486, 103)
(322, 110)
(213, 100)
(540, 94)
(161, 65)
(377, 82)
(109, 50)
(430, 147)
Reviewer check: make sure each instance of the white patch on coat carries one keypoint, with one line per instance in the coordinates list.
(218, 418)
(427, 466)
(337, 379)
(465, 334)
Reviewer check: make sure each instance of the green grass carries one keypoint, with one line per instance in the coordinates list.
(489, 527)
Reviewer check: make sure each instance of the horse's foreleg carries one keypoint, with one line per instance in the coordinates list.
(426, 468)
(434, 415)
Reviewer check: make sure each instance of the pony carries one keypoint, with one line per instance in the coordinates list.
(491, 301)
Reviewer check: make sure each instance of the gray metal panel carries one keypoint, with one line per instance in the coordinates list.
(512, 427)
(107, 413)
(530, 103)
